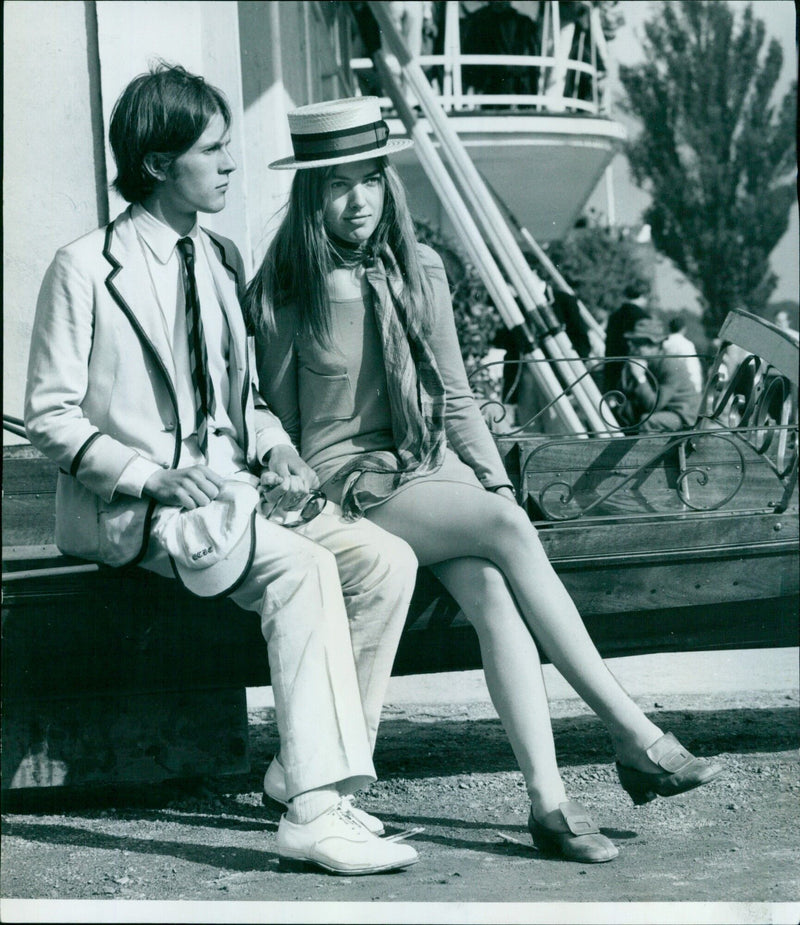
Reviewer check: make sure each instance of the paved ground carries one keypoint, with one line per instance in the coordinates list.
(726, 853)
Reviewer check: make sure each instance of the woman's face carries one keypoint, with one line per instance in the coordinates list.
(354, 195)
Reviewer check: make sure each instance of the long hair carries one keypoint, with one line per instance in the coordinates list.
(300, 259)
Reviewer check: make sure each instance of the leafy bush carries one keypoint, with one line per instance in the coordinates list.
(599, 264)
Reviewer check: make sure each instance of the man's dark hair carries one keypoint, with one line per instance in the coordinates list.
(164, 111)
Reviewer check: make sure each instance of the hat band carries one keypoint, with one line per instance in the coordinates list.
(319, 146)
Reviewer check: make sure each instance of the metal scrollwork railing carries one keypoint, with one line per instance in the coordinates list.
(496, 396)
(760, 403)
(741, 451)
(557, 500)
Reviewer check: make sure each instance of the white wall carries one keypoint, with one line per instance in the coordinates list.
(50, 190)
(265, 36)
(201, 36)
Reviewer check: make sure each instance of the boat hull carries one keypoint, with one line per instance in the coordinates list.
(545, 166)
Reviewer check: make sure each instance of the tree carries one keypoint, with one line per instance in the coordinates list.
(716, 153)
(599, 263)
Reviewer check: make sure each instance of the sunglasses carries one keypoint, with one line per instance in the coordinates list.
(315, 504)
(313, 507)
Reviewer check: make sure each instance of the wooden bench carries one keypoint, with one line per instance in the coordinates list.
(666, 543)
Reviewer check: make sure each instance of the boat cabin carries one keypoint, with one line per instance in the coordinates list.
(524, 86)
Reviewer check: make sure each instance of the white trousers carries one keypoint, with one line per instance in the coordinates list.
(333, 597)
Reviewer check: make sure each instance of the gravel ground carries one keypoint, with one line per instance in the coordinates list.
(447, 767)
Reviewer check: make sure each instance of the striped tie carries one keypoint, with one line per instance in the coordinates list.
(204, 402)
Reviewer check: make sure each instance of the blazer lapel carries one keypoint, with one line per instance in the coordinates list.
(227, 287)
(131, 287)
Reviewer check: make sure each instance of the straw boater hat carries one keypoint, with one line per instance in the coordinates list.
(338, 131)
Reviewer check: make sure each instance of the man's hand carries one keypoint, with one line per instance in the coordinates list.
(286, 462)
(188, 488)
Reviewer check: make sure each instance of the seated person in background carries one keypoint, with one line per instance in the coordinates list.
(659, 395)
(619, 323)
(498, 29)
(678, 344)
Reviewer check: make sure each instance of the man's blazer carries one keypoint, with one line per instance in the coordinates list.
(101, 385)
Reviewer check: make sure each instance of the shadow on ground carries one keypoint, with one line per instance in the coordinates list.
(414, 750)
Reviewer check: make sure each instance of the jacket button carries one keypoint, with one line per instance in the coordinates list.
(169, 426)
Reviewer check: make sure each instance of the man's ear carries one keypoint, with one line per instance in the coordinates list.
(156, 165)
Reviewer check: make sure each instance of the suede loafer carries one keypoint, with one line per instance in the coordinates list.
(574, 836)
(679, 771)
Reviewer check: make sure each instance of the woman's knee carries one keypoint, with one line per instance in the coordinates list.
(510, 528)
(480, 589)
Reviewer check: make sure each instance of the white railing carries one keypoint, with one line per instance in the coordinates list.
(549, 72)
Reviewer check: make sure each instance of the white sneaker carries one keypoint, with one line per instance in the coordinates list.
(338, 843)
(275, 789)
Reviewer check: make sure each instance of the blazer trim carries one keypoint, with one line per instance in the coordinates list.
(145, 538)
(140, 333)
(73, 469)
(223, 258)
(116, 266)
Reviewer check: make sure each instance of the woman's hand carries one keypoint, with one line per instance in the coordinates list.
(285, 484)
(507, 493)
(287, 463)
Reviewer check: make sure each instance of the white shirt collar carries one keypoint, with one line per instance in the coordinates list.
(158, 236)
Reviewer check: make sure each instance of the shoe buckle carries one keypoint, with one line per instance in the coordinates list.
(579, 823)
(675, 760)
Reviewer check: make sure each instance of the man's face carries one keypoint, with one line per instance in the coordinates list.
(197, 180)
(354, 195)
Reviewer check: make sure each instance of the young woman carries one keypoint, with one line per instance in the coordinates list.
(358, 355)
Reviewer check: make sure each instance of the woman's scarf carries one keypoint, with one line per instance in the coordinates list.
(416, 400)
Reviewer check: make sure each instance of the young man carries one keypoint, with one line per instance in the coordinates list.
(140, 388)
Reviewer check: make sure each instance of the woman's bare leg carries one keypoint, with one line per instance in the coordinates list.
(447, 520)
(513, 674)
